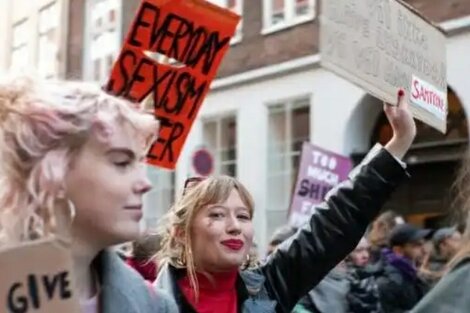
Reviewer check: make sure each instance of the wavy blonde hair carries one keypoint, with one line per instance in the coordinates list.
(42, 126)
(176, 226)
(461, 204)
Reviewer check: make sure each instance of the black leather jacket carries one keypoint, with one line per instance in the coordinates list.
(301, 262)
(398, 293)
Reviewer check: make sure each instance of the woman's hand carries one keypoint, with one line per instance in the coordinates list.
(403, 125)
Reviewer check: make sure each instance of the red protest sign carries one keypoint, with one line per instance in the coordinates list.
(172, 52)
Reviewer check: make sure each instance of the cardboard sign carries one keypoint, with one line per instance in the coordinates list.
(172, 53)
(37, 277)
(320, 170)
(426, 96)
(381, 45)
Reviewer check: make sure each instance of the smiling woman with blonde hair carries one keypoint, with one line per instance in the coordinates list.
(208, 233)
(71, 164)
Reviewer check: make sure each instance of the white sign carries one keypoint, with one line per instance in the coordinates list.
(428, 97)
(380, 45)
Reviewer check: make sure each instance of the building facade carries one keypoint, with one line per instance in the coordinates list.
(270, 95)
(34, 37)
(274, 95)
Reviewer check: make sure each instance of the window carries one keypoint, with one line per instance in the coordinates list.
(161, 197)
(19, 50)
(289, 127)
(48, 41)
(220, 136)
(280, 14)
(237, 7)
(103, 36)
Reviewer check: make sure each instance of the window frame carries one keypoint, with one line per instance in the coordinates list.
(237, 38)
(19, 46)
(43, 32)
(107, 31)
(286, 154)
(218, 151)
(290, 19)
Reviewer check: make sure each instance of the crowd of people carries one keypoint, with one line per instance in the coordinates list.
(389, 271)
(73, 166)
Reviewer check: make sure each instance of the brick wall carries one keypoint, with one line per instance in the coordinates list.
(255, 50)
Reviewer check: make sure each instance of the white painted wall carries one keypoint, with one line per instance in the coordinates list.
(342, 117)
(4, 35)
(12, 12)
(250, 102)
(458, 67)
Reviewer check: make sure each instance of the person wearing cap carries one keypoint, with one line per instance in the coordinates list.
(447, 242)
(400, 287)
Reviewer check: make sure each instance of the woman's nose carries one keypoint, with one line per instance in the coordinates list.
(143, 186)
(233, 226)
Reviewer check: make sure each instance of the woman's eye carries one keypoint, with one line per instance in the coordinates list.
(122, 164)
(216, 215)
(244, 217)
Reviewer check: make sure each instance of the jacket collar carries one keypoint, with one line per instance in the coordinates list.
(121, 289)
(249, 286)
(253, 282)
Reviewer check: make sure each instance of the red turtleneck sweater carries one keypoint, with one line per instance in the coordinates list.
(218, 294)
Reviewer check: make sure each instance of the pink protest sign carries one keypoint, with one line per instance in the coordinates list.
(320, 170)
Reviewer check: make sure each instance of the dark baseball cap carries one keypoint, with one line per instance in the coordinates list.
(442, 234)
(407, 233)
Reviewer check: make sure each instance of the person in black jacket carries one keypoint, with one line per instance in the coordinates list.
(400, 287)
(363, 294)
(209, 231)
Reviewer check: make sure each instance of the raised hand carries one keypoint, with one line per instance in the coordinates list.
(404, 127)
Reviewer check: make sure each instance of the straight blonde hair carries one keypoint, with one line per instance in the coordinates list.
(176, 226)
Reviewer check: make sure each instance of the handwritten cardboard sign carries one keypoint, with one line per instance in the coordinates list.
(172, 53)
(381, 46)
(37, 277)
(320, 170)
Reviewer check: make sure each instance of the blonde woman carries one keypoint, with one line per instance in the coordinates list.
(208, 234)
(70, 150)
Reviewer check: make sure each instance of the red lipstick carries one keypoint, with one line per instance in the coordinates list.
(233, 244)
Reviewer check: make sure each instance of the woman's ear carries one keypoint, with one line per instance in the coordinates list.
(178, 233)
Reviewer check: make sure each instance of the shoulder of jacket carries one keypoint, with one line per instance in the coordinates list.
(445, 297)
(463, 264)
(393, 275)
(254, 281)
(163, 302)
